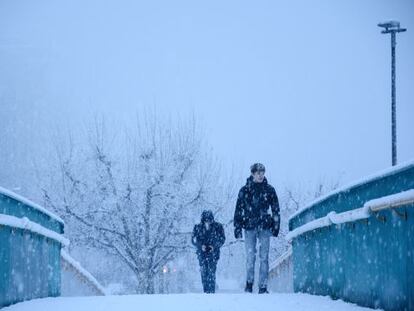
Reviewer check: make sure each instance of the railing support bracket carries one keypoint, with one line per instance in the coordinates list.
(380, 218)
(399, 214)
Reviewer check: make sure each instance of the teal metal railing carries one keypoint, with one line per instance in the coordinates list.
(369, 261)
(30, 247)
(281, 273)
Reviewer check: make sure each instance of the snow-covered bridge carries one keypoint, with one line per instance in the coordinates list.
(355, 244)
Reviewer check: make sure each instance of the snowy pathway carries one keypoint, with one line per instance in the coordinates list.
(187, 302)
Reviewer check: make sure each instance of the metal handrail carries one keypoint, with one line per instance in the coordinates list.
(373, 206)
(282, 258)
(83, 274)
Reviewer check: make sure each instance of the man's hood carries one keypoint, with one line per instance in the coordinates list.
(207, 216)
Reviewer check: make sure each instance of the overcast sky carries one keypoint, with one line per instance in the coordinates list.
(302, 86)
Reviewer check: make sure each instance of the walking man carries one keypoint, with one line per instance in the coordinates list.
(252, 214)
(208, 237)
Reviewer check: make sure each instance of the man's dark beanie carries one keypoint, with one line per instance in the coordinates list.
(257, 167)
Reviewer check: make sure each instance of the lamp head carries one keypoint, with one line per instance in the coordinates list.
(391, 26)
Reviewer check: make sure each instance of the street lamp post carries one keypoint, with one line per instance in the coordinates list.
(393, 27)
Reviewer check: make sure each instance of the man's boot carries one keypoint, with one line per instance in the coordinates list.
(249, 287)
(263, 290)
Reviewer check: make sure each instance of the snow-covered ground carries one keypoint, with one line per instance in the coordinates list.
(187, 302)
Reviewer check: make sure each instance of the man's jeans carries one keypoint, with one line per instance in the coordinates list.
(208, 268)
(250, 238)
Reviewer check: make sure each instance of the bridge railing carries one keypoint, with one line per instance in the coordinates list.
(356, 243)
(281, 273)
(30, 245)
(77, 281)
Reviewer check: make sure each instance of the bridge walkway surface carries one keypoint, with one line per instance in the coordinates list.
(188, 302)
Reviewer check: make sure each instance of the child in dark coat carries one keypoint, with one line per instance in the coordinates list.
(208, 236)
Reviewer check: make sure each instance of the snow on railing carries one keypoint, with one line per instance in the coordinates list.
(282, 258)
(25, 224)
(84, 274)
(390, 201)
(389, 171)
(25, 201)
(395, 200)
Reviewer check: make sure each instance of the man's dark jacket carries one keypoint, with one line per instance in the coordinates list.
(252, 208)
(213, 237)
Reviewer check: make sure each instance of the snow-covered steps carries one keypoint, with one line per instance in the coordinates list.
(76, 280)
(188, 302)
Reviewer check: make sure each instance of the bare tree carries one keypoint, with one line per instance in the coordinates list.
(137, 194)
